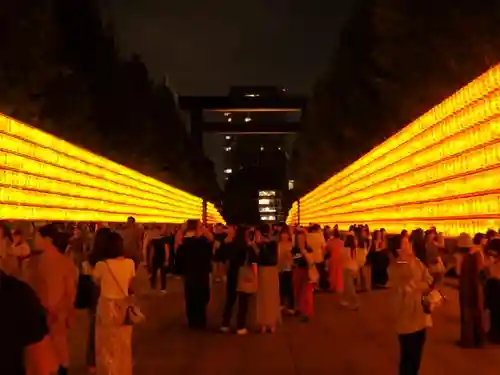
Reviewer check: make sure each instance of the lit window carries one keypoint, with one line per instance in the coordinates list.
(227, 114)
(248, 119)
(252, 95)
(267, 209)
(227, 149)
(268, 218)
(261, 148)
(229, 119)
(291, 184)
(228, 137)
(264, 201)
(267, 193)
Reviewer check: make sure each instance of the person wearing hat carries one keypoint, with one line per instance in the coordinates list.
(471, 296)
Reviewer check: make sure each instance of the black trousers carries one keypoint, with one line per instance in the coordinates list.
(492, 290)
(155, 267)
(472, 331)
(90, 350)
(243, 301)
(231, 297)
(197, 296)
(380, 262)
(286, 290)
(323, 283)
(411, 346)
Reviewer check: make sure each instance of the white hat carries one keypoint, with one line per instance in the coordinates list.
(464, 241)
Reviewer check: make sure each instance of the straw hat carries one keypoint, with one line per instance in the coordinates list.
(465, 241)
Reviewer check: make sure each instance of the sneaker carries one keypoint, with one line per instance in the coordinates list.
(242, 331)
(225, 329)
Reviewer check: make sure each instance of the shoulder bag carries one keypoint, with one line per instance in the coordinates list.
(248, 281)
(133, 314)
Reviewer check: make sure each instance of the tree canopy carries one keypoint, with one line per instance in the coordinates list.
(60, 70)
(395, 60)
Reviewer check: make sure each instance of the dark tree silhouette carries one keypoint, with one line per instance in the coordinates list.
(396, 59)
(60, 70)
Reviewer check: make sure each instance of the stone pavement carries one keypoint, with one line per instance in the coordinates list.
(337, 341)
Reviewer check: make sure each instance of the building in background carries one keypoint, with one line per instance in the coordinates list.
(271, 206)
(252, 129)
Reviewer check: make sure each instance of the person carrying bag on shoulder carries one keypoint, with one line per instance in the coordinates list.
(247, 281)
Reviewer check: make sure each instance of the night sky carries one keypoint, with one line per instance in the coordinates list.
(206, 46)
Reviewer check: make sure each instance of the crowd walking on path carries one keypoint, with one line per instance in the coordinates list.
(270, 272)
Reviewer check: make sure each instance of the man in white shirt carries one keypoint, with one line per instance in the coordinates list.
(317, 243)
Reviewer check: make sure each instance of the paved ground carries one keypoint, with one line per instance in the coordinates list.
(335, 342)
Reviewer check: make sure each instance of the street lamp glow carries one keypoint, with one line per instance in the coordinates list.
(248, 119)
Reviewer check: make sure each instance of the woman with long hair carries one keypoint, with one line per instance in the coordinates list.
(246, 261)
(268, 293)
(350, 270)
(433, 258)
(114, 275)
(334, 248)
(285, 267)
(305, 276)
(97, 253)
(364, 241)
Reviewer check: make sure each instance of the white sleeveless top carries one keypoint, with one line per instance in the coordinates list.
(123, 270)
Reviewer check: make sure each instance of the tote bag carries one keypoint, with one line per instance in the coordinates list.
(248, 281)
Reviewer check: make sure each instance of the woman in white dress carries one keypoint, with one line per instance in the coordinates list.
(114, 275)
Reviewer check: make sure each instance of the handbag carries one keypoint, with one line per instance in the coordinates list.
(248, 281)
(438, 267)
(361, 255)
(432, 300)
(133, 314)
(313, 274)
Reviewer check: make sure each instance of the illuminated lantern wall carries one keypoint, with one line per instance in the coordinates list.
(293, 215)
(443, 169)
(213, 215)
(45, 178)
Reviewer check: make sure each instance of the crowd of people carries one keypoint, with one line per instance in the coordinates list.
(269, 272)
